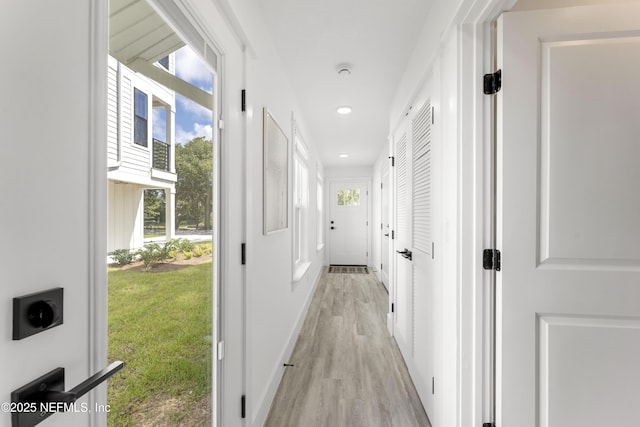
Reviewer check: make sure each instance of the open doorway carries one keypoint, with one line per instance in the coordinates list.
(162, 219)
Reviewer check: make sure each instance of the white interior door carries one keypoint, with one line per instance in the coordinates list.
(568, 295)
(403, 312)
(422, 245)
(348, 228)
(385, 229)
(51, 185)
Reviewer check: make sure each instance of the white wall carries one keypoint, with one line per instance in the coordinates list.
(376, 207)
(275, 306)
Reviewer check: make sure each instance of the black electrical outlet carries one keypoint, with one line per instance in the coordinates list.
(37, 312)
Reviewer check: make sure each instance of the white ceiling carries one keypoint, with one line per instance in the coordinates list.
(376, 36)
(312, 37)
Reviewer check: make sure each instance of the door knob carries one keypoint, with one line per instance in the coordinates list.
(46, 395)
(333, 228)
(406, 253)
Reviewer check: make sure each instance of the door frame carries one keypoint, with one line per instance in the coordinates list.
(97, 187)
(476, 210)
(327, 198)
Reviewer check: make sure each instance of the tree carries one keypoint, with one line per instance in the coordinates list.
(194, 188)
(153, 205)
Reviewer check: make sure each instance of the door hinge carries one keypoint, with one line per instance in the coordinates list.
(393, 234)
(243, 257)
(381, 268)
(381, 226)
(393, 160)
(243, 100)
(433, 115)
(392, 308)
(491, 259)
(433, 385)
(381, 186)
(221, 124)
(367, 253)
(492, 83)
(220, 350)
(243, 406)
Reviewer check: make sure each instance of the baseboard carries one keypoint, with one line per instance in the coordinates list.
(276, 375)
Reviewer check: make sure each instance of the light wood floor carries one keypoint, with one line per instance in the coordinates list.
(348, 369)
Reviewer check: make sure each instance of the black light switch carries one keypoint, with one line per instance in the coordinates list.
(37, 312)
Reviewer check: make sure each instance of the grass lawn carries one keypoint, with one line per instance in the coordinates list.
(160, 326)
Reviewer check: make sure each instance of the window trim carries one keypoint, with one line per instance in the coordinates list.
(319, 212)
(301, 202)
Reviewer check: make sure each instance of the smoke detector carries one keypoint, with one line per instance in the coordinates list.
(344, 69)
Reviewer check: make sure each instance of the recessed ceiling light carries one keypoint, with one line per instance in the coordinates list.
(344, 109)
(344, 155)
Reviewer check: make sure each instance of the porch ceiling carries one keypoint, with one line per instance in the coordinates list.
(137, 31)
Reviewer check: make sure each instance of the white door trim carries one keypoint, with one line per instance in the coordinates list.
(97, 233)
(476, 210)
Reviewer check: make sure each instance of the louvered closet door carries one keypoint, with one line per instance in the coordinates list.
(404, 291)
(424, 347)
(417, 310)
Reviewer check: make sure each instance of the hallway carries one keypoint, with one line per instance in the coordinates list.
(347, 369)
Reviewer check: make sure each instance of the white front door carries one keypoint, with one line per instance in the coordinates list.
(348, 225)
(53, 187)
(568, 295)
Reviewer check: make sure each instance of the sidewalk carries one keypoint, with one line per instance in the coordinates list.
(192, 235)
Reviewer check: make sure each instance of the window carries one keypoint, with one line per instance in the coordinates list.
(320, 213)
(349, 197)
(140, 117)
(300, 209)
(164, 62)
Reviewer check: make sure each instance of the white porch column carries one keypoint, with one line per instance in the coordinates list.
(170, 212)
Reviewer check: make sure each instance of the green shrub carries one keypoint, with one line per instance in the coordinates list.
(185, 245)
(151, 254)
(198, 251)
(188, 254)
(122, 256)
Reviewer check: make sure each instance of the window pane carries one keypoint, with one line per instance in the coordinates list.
(140, 131)
(348, 197)
(140, 104)
(355, 197)
(140, 117)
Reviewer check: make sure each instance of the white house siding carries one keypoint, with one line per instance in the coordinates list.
(136, 159)
(112, 112)
(126, 215)
(130, 164)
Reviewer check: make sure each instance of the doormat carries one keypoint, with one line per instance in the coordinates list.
(349, 269)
